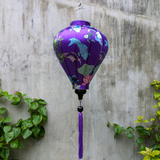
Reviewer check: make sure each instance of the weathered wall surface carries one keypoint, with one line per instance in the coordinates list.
(120, 91)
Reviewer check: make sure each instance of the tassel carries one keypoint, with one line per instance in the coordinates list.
(80, 135)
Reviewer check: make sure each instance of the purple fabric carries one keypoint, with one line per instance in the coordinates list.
(80, 50)
(80, 135)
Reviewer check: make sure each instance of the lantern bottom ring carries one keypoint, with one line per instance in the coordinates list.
(80, 93)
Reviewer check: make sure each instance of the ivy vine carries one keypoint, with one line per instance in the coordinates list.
(32, 127)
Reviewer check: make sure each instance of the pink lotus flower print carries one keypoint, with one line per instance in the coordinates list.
(87, 79)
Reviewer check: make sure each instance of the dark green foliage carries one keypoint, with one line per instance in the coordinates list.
(31, 127)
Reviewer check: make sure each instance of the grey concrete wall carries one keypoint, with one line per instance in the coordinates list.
(120, 91)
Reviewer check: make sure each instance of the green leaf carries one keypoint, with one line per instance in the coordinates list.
(139, 140)
(130, 135)
(9, 136)
(138, 121)
(30, 110)
(153, 146)
(154, 153)
(152, 119)
(19, 93)
(36, 130)
(156, 95)
(17, 144)
(158, 113)
(142, 148)
(118, 129)
(2, 110)
(8, 120)
(157, 157)
(2, 138)
(9, 97)
(42, 110)
(154, 126)
(116, 134)
(45, 118)
(24, 95)
(115, 125)
(108, 124)
(4, 152)
(27, 123)
(26, 133)
(139, 128)
(140, 117)
(157, 87)
(16, 100)
(157, 147)
(130, 129)
(5, 93)
(42, 102)
(1, 144)
(36, 119)
(146, 121)
(19, 122)
(157, 137)
(42, 132)
(28, 100)
(155, 106)
(0, 90)
(1, 120)
(20, 144)
(17, 131)
(14, 144)
(7, 128)
(23, 125)
(144, 132)
(124, 130)
(33, 105)
(35, 99)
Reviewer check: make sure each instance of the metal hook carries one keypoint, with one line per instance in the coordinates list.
(80, 6)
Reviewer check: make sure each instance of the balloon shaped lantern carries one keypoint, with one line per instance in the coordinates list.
(80, 50)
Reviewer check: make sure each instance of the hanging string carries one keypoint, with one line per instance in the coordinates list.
(80, 128)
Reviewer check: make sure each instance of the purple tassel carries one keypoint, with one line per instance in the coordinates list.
(80, 135)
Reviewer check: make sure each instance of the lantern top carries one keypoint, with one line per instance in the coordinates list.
(80, 22)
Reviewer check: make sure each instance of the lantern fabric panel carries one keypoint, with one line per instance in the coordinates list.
(80, 49)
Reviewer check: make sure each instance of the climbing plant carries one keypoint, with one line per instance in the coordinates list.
(32, 127)
(149, 130)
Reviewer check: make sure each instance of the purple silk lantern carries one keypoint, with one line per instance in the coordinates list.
(80, 50)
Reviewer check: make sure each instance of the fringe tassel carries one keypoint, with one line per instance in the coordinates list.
(80, 135)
